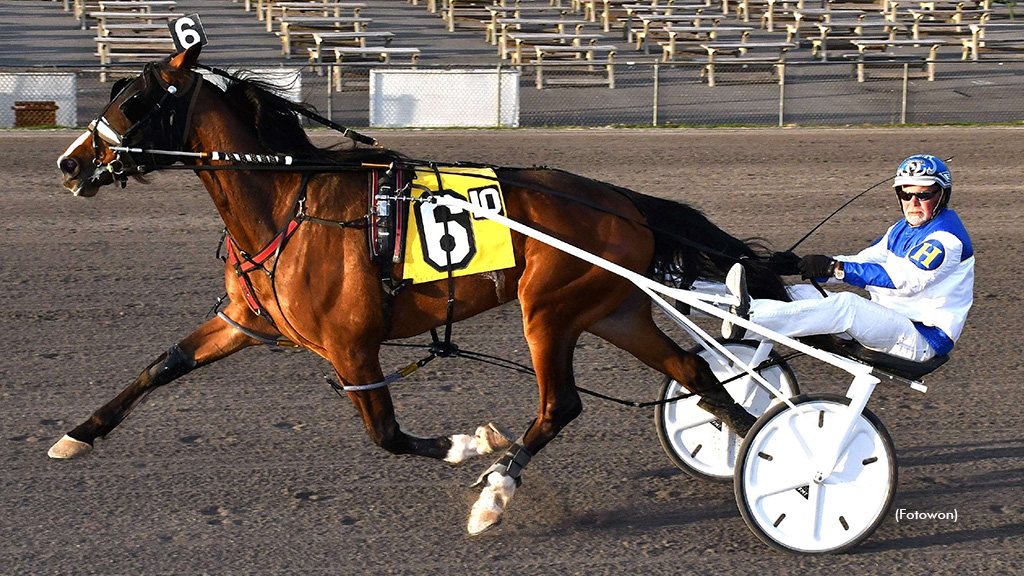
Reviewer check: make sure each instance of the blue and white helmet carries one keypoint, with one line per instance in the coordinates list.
(924, 170)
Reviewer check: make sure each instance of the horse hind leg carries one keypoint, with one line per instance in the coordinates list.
(632, 329)
(551, 349)
(210, 342)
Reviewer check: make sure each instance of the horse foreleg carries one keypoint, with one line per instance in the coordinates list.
(377, 411)
(210, 342)
(559, 405)
(361, 368)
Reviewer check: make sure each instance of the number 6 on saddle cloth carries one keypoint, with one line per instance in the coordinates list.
(438, 238)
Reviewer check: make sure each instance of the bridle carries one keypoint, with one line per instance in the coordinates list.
(158, 101)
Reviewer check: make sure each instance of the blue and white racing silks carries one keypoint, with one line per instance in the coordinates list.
(925, 273)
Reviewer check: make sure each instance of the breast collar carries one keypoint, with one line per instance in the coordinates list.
(266, 258)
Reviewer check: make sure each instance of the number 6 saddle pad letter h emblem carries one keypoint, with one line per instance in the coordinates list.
(440, 235)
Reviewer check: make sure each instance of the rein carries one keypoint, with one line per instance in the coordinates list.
(275, 162)
(346, 132)
(267, 258)
(282, 163)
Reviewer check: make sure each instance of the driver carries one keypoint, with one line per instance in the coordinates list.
(920, 275)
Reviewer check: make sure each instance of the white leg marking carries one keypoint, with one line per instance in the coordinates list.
(494, 499)
(491, 439)
(68, 447)
(463, 447)
(487, 439)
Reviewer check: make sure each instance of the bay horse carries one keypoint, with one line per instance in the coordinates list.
(341, 312)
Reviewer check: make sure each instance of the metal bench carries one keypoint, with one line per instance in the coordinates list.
(529, 39)
(379, 54)
(695, 37)
(978, 41)
(324, 8)
(744, 61)
(111, 49)
(584, 53)
(862, 57)
(300, 30)
(328, 41)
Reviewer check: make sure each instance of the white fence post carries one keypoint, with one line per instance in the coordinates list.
(654, 120)
(903, 104)
(782, 93)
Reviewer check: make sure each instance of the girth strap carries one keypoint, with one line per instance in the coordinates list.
(283, 342)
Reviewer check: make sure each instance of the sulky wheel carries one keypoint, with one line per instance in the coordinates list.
(775, 477)
(694, 440)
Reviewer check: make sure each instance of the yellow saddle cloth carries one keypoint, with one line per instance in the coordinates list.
(438, 235)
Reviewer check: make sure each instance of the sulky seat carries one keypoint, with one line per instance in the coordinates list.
(893, 364)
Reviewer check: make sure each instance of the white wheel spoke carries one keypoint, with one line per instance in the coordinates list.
(762, 490)
(816, 496)
(802, 443)
(694, 423)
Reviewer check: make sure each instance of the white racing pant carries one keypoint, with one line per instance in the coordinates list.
(873, 325)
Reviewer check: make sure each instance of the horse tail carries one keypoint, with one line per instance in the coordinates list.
(688, 246)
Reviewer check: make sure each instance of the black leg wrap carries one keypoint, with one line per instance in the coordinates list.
(175, 363)
(510, 464)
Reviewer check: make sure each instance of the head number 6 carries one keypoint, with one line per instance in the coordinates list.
(187, 31)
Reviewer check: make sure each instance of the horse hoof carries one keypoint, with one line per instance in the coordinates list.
(484, 521)
(68, 447)
(486, 440)
(490, 438)
(489, 509)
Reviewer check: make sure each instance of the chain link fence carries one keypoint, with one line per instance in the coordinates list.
(583, 93)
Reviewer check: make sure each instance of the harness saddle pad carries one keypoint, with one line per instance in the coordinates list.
(438, 235)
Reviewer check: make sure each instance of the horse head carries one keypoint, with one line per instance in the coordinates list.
(149, 111)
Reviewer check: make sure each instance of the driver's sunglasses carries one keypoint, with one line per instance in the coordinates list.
(921, 196)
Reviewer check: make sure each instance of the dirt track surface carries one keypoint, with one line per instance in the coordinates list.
(254, 466)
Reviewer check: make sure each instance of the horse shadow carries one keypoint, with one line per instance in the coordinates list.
(967, 452)
(673, 507)
(873, 546)
(642, 518)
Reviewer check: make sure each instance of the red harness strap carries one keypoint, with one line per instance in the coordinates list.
(243, 263)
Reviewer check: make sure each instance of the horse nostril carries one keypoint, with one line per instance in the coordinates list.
(69, 166)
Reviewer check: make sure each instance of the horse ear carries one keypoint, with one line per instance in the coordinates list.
(187, 59)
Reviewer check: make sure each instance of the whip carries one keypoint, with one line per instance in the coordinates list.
(845, 204)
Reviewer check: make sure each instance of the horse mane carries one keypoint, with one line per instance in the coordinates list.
(277, 126)
(687, 246)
